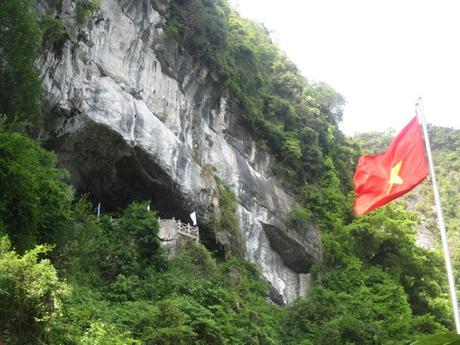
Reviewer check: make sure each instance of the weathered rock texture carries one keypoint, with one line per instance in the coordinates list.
(132, 116)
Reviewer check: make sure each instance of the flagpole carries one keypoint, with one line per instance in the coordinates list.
(442, 228)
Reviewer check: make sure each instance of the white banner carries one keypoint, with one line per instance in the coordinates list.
(193, 217)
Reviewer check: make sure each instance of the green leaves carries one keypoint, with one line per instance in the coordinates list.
(225, 222)
(84, 9)
(19, 79)
(194, 300)
(114, 256)
(292, 149)
(34, 198)
(374, 285)
(439, 339)
(358, 305)
(31, 294)
(53, 28)
(103, 334)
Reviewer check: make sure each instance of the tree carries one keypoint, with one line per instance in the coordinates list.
(30, 294)
(34, 198)
(19, 79)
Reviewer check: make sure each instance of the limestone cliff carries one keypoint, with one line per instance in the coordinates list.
(132, 116)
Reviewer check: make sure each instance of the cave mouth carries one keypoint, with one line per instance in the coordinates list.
(114, 173)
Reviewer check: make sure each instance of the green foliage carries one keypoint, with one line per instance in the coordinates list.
(84, 9)
(225, 222)
(34, 199)
(113, 255)
(386, 239)
(299, 217)
(102, 334)
(19, 79)
(53, 28)
(446, 149)
(140, 227)
(372, 310)
(439, 339)
(162, 116)
(372, 286)
(30, 294)
(194, 300)
(291, 147)
(326, 200)
(54, 2)
(382, 295)
(376, 285)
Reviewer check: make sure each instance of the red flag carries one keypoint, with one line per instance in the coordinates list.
(384, 177)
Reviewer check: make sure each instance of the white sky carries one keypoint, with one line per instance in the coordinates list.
(381, 55)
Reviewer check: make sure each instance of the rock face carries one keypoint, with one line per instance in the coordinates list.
(133, 117)
(171, 236)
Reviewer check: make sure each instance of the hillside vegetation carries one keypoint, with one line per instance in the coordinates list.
(68, 277)
(105, 282)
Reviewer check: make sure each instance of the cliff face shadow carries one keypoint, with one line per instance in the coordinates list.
(115, 173)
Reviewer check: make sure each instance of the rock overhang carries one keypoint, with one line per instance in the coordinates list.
(104, 92)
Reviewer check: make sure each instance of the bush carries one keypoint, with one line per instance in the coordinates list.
(299, 217)
(103, 334)
(53, 28)
(84, 9)
(224, 222)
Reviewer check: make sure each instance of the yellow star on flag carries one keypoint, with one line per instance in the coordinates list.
(394, 177)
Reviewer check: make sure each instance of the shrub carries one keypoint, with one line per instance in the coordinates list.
(84, 9)
(53, 28)
(224, 222)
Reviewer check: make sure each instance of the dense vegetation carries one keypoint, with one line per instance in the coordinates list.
(19, 83)
(446, 145)
(109, 281)
(68, 277)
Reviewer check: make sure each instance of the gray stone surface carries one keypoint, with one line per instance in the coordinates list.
(132, 116)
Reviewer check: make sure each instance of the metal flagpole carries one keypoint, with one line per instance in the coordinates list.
(442, 228)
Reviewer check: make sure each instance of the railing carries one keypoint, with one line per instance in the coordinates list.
(184, 229)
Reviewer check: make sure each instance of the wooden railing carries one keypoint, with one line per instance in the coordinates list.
(185, 229)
